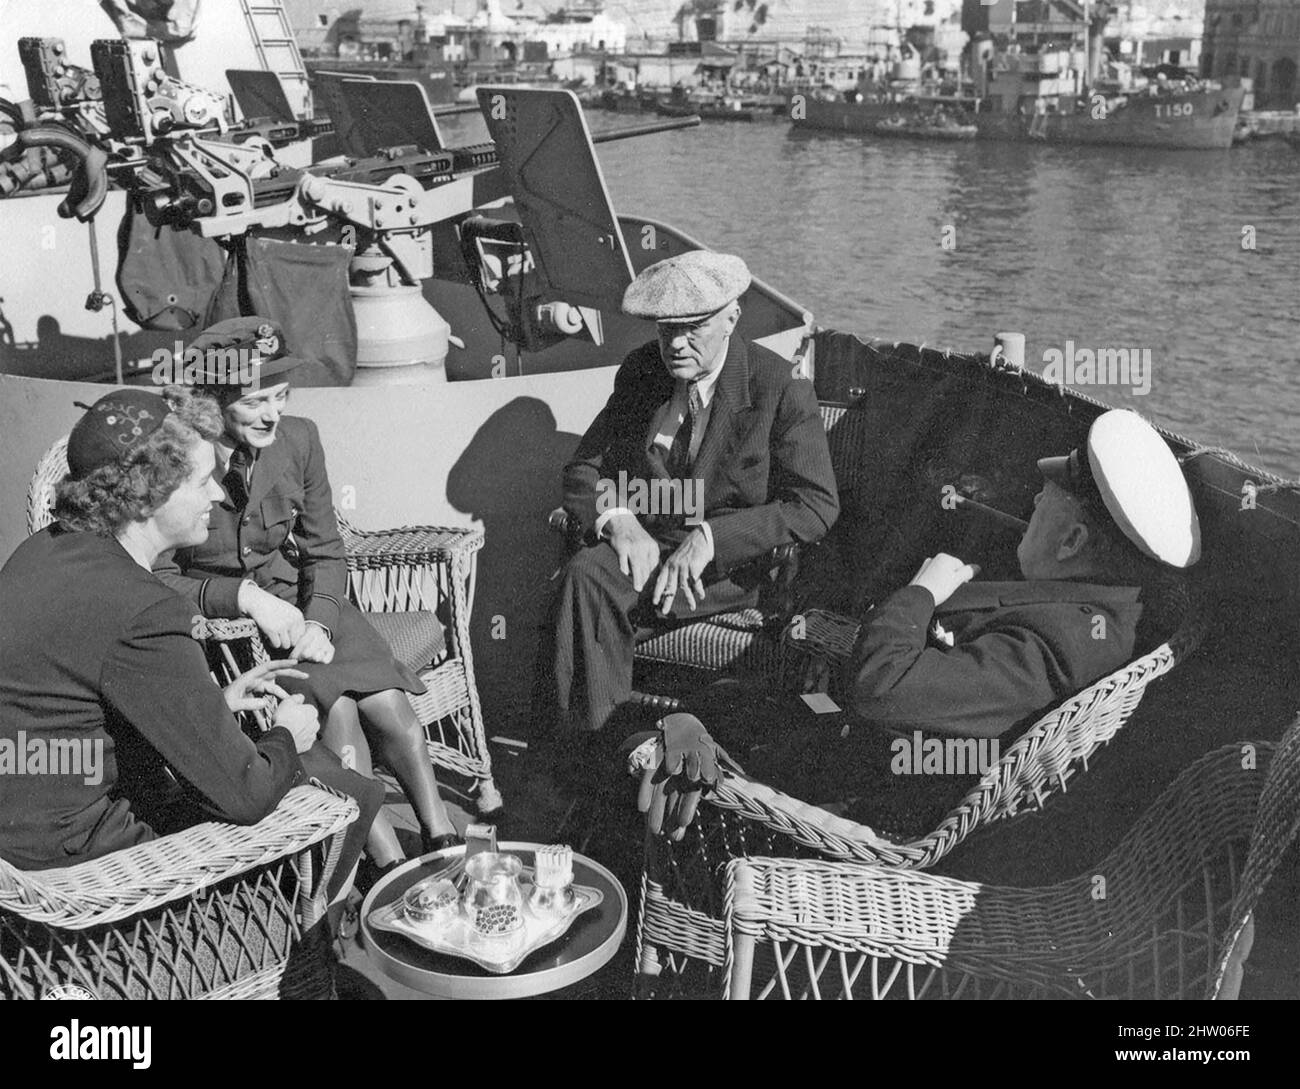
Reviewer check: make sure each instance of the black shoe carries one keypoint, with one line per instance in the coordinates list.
(369, 875)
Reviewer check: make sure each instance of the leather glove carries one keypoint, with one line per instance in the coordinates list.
(690, 764)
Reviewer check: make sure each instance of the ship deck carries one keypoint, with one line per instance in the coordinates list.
(538, 811)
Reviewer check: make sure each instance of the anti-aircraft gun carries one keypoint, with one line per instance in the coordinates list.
(554, 265)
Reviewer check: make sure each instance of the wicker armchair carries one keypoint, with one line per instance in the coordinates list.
(1167, 914)
(215, 911)
(416, 587)
(681, 937)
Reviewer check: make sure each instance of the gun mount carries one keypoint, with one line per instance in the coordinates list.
(175, 148)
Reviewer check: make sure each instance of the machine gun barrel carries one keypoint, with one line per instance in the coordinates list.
(648, 129)
(455, 107)
(481, 156)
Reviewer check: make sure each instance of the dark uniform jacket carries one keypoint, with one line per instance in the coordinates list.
(764, 463)
(1018, 648)
(290, 495)
(283, 534)
(94, 649)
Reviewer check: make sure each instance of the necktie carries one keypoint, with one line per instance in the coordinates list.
(679, 457)
(238, 477)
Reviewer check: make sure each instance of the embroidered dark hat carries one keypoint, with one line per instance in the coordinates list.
(112, 428)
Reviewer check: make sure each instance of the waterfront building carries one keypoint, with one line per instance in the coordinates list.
(830, 33)
(1257, 40)
(838, 44)
(1149, 32)
(1123, 35)
(488, 31)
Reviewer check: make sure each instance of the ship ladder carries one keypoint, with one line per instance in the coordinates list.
(268, 26)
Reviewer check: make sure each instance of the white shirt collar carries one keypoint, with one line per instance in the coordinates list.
(223, 453)
(705, 385)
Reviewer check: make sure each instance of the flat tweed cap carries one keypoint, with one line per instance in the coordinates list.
(688, 287)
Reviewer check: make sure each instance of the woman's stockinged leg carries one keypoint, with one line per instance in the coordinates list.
(342, 734)
(401, 746)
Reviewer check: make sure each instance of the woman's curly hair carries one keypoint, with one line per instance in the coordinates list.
(130, 490)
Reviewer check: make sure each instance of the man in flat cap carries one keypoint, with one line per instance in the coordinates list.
(1113, 524)
(717, 425)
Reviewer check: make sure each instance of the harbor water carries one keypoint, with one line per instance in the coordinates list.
(1189, 259)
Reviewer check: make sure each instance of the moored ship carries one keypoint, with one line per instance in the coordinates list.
(1023, 103)
(869, 114)
(1200, 118)
(1052, 82)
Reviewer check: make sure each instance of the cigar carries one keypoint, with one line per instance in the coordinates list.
(1003, 519)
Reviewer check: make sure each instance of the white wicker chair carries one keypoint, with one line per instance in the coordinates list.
(215, 911)
(1167, 914)
(681, 937)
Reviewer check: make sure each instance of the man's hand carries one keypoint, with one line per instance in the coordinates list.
(942, 574)
(299, 719)
(314, 646)
(638, 552)
(280, 622)
(670, 794)
(248, 691)
(681, 572)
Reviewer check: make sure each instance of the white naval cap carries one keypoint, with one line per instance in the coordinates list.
(687, 287)
(1137, 479)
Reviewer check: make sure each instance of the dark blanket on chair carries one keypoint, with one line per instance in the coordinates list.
(929, 427)
(846, 767)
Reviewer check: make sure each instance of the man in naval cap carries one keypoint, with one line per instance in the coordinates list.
(739, 439)
(953, 657)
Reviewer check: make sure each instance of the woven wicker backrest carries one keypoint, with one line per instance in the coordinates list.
(1277, 822)
(233, 647)
(52, 468)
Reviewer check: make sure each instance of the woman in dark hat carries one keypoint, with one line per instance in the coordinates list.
(99, 674)
(275, 488)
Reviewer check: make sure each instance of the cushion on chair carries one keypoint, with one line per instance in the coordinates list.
(720, 642)
(417, 638)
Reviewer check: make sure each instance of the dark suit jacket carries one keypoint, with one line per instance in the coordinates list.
(764, 463)
(94, 649)
(290, 496)
(1020, 649)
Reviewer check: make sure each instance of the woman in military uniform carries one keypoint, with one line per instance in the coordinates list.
(272, 470)
(96, 654)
